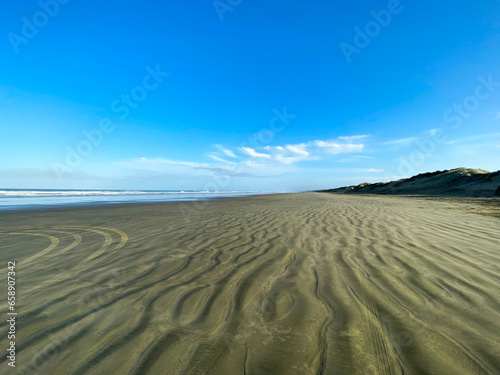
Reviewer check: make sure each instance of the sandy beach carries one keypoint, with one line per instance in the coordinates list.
(310, 283)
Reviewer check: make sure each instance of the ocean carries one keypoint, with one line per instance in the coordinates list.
(13, 199)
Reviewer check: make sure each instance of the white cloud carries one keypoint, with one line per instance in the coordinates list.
(254, 154)
(474, 138)
(290, 153)
(299, 149)
(409, 140)
(154, 167)
(254, 164)
(226, 151)
(401, 141)
(354, 138)
(215, 157)
(159, 164)
(263, 161)
(354, 159)
(289, 159)
(335, 147)
(314, 150)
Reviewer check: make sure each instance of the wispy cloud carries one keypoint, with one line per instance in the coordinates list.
(254, 154)
(257, 161)
(226, 172)
(401, 141)
(218, 158)
(290, 159)
(314, 150)
(148, 167)
(291, 154)
(335, 147)
(299, 149)
(354, 138)
(226, 151)
(159, 164)
(474, 138)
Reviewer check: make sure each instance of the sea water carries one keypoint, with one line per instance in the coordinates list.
(11, 199)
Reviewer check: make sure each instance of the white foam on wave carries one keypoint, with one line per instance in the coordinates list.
(17, 199)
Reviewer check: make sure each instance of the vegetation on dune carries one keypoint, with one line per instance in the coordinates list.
(459, 182)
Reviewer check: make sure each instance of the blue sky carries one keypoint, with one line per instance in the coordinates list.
(245, 95)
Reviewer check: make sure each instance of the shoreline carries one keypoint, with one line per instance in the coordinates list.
(49, 207)
(459, 200)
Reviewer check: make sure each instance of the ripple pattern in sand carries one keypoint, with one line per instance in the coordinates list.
(288, 284)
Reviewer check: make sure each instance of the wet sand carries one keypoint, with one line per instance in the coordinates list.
(310, 283)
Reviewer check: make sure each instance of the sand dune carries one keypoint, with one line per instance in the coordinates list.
(459, 182)
(307, 283)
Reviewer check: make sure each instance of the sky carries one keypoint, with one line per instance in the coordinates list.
(288, 95)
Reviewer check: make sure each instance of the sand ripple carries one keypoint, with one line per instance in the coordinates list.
(288, 284)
